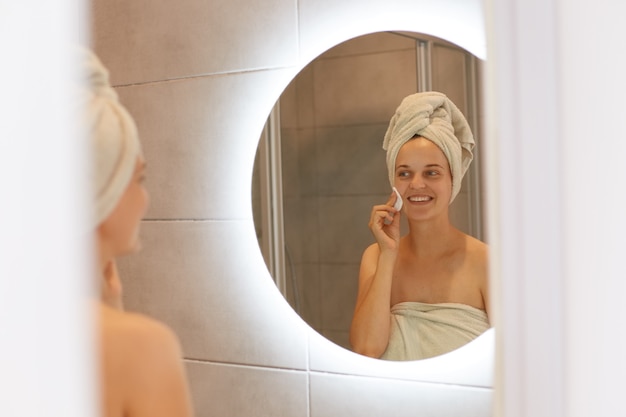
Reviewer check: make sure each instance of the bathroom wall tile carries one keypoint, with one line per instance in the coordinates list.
(288, 106)
(449, 74)
(208, 281)
(339, 286)
(301, 228)
(296, 102)
(226, 390)
(299, 162)
(143, 41)
(306, 105)
(344, 233)
(307, 162)
(460, 212)
(363, 88)
(309, 306)
(338, 395)
(371, 43)
(199, 151)
(290, 165)
(351, 161)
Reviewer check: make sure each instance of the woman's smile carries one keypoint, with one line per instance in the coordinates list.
(420, 199)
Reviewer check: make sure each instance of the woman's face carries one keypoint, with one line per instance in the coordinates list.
(120, 231)
(423, 179)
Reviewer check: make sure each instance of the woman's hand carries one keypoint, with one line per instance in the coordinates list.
(111, 288)
(385, 224)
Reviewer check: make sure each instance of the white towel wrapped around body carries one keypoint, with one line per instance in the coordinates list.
(420, 330)
(433, 116)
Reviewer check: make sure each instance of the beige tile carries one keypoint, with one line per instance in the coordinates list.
(308, 287)
(208, 281)
(145, 40)
(449, 74)
(306, 105)
(339, 286)
(301, 228)
(371, 43)
(351, 160)
(335, 395)
(307, 163)
(296, 102)
(460, 212)
(199, 143)
(344, 233)
(225, 390)
(299, 163)
(363, 88)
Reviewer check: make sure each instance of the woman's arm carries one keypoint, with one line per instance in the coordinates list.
(369, 332)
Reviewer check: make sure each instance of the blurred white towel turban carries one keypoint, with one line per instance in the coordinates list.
(113, 138)
(433, 116)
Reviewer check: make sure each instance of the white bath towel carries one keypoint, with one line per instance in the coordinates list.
(433, 116)
(113, 137)
(420, 331)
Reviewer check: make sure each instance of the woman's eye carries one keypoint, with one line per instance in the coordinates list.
(403, 174)
(432, 173)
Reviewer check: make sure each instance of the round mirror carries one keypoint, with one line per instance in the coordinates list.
(320, 166)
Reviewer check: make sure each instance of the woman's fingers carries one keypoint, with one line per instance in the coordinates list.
(382, 213)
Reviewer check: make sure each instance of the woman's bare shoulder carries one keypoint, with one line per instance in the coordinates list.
(477, 249)
(142, 366)
(138, 333)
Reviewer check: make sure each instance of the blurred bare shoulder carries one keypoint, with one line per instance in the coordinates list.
(142, 366)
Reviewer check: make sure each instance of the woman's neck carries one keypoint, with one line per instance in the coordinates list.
(430, 237)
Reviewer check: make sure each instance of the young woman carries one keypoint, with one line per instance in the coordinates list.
(426, 293)
(140, 359)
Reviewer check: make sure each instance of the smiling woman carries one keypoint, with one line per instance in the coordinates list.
(331, 125)
(424, 294)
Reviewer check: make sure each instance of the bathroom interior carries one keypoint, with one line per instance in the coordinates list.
(201, 79)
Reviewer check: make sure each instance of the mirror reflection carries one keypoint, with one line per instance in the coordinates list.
(320, 167)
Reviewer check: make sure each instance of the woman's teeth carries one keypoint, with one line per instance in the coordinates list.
(420, 198)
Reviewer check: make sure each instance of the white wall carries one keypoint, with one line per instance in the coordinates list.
(556, 80)
(45, 360)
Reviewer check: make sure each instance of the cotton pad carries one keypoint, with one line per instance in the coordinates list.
(398, 204)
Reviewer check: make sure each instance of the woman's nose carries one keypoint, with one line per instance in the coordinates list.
(417, 182)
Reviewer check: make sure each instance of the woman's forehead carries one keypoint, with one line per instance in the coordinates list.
(421, 151)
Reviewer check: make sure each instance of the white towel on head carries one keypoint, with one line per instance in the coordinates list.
(113, 136)
(433, 116)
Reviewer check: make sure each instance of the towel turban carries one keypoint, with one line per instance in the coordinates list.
(113, 138)
(433, 116)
